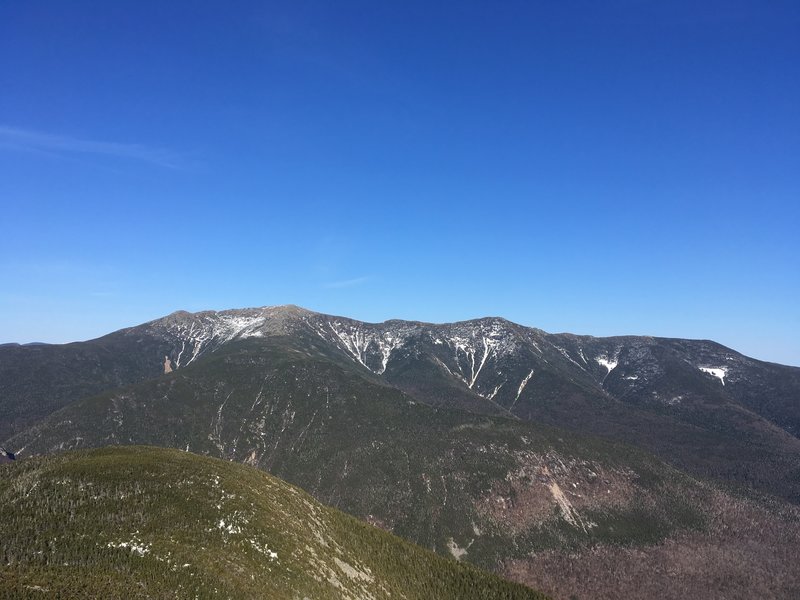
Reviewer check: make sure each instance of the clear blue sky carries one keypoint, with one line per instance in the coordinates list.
(619, 167)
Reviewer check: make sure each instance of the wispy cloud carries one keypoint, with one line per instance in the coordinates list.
(35, 141)
(345, 283)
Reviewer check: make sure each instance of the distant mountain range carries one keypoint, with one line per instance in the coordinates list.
(484, 440)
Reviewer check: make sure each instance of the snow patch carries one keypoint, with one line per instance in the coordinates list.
(264, 549)
(465, 346)
(215, 329)
(240, 326)
(358, 343)
(494, 392)
(178, 361)
(522, 387)
(566, 355)
(229, 527)
(718, 372)
(604, 361)
(135, 546)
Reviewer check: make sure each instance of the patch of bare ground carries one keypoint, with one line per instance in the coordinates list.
(379, 523)
(747, 552)
(544, 482)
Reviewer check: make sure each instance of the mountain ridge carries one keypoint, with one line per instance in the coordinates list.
(616, 387)
(487, 441)
(288, 308)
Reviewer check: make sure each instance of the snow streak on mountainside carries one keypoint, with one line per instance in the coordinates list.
(205, 331)
(359, 415)
(491, 358)
(666, 395)
(497, 367)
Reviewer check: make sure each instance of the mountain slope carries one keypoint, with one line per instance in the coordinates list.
(435, 476)
(37, 379)
(502, 492)
(508, 495)
(140, 522)
(698, 405)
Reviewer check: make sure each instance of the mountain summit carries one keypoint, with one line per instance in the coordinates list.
(698, 404)
(487, 441)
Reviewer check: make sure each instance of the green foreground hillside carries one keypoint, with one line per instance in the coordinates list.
(138, 522)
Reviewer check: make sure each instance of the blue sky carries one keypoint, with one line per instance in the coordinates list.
(621, 167)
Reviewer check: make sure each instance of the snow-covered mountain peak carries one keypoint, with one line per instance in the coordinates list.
(196, 333)
(498, 361)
